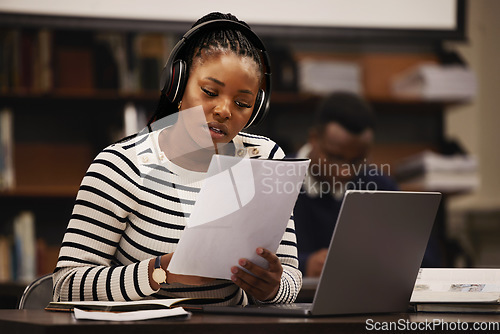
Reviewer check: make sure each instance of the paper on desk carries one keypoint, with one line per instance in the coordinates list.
(130, 316)
(243, 204)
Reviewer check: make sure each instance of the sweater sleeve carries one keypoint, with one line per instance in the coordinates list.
(87, 268)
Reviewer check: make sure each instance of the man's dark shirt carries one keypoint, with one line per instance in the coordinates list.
(315, 216)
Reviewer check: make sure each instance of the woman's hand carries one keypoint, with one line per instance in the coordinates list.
(174, 278)
(183, 279)
(264, 283)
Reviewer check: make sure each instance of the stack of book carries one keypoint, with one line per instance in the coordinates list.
(323, 77)
(431, 171)
(457, 290)
(436, 82)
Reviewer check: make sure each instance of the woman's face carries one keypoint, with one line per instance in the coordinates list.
(226, 86)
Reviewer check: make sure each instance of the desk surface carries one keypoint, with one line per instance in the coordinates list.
(39, 321)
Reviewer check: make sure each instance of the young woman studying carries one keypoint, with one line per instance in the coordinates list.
(137, 195)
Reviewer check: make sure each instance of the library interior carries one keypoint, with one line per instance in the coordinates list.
(75, 78)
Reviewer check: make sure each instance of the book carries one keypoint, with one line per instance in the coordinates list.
(5, 258)
(24, 247)
(44, 59)
(7, 175)
(457, 290)
(436, 82)
(128, 306)
(152, 50)
(74, 69)
(447, 182)
(8, 38)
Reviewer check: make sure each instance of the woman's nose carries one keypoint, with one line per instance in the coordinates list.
(222, 111)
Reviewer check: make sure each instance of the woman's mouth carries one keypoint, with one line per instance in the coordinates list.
(217, 131)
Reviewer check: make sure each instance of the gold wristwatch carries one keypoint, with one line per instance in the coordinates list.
(159, 274)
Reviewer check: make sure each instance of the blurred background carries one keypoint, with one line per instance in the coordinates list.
(75, 77)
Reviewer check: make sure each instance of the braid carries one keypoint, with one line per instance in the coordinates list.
(218, 40)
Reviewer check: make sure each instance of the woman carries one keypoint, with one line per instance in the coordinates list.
(134, 200)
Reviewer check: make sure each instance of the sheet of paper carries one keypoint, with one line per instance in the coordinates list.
(130, 316)
(243, 204)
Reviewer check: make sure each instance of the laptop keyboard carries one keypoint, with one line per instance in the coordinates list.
(294, 306)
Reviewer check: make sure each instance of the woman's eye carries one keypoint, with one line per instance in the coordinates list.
(208, 92)
(242, 104)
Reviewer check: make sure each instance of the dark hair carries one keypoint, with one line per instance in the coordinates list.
(219, 39)
(209, 42)
(347, 109)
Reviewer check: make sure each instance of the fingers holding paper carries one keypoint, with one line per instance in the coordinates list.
(262, 284)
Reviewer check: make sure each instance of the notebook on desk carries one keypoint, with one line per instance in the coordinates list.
(373, 260)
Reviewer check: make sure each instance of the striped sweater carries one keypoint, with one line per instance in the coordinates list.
(132, 205)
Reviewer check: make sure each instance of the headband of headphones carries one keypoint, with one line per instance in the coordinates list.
(175, 72)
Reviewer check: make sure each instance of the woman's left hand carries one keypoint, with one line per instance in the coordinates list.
(264, 283)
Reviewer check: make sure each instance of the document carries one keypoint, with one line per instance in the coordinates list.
(243, 204)
(130, 316)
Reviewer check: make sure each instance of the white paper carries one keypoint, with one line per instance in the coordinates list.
(243, 204)
(130, 316)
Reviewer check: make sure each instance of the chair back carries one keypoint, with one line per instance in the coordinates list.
(37, 294)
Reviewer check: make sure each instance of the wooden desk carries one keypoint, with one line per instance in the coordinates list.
(43, 322)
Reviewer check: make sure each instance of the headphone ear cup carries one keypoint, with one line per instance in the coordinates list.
(174, 88)
(259, 110)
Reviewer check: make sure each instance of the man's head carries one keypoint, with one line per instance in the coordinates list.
(341, 138)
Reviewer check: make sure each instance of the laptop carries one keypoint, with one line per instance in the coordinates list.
(373, 260)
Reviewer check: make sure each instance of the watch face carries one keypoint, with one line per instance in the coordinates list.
(159, 275)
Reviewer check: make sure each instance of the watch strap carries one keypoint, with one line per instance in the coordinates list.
(158, 262)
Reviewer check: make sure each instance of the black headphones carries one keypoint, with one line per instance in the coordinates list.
(175, 73)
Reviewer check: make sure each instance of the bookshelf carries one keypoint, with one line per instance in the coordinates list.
(68, 91)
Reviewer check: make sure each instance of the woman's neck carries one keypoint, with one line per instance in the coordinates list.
(181, 149)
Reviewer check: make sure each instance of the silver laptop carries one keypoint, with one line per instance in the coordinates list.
(373, 260)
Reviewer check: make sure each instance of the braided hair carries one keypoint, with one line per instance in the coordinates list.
(210, 42)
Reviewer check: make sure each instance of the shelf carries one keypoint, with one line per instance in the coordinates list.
(392, 154)
(38, 191)
(304, 98)
(82, 94)
(152, 96)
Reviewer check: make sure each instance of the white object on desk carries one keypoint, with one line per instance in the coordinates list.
(130, 316)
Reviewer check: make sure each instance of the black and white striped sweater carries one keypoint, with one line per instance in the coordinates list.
(132, 206)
